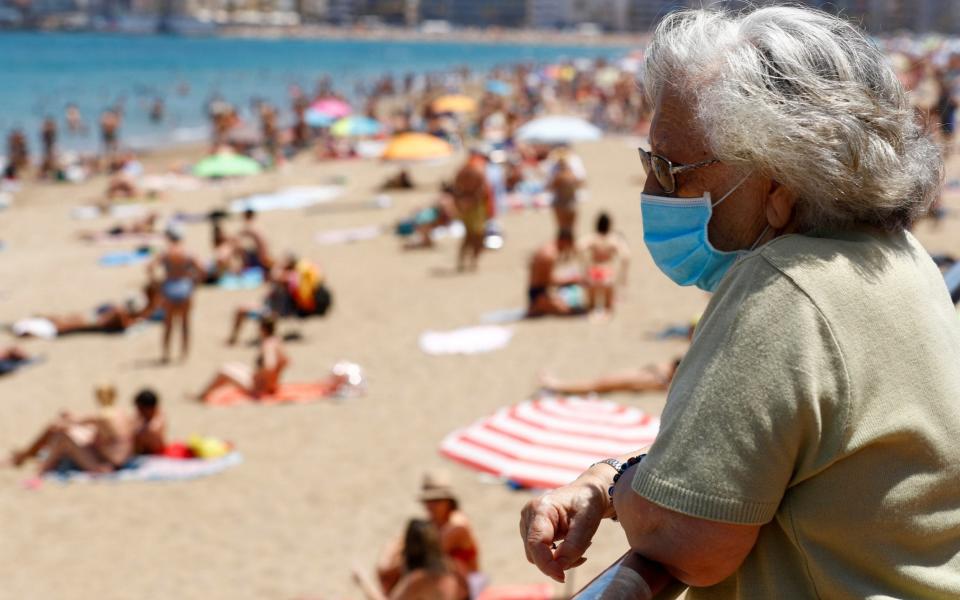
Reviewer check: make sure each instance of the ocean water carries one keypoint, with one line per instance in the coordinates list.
(41, 73)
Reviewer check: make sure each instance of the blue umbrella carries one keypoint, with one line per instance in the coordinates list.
(500, 88)
(315, 118)
(558, 129)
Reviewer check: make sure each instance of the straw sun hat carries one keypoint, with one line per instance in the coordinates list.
(436, 486)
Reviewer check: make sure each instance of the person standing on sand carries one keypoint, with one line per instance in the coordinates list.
(18, 157)
(182, 273)
(471, 195)
(564, 186)
(607, 259)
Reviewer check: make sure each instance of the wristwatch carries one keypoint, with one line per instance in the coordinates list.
(613, 462)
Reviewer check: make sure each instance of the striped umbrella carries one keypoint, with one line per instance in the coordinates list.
(548, 442)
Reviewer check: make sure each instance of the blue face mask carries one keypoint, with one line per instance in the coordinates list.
(675, 232)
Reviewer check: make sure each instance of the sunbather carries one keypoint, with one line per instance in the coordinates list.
(150, 425)
(457, 539)
(424, 221)
(551, 292)
(182, 273)
(297, 288)
(11, 359)
(105, 318)
(264, 378)
(651, 378)
(425, 572)
(98, 443)
(145, 225)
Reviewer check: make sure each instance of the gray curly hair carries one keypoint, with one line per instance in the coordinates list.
(805, 98)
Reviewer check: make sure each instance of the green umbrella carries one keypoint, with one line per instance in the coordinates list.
(226, 165)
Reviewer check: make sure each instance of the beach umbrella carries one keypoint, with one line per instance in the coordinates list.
(356, 127)
(547, 442)
(332, 107)
(499, 87)
(226, 164)
(456, 103)
(416, 147)
(315, 118)
(558, 129)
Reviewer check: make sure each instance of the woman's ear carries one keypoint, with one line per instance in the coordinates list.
(780, 204)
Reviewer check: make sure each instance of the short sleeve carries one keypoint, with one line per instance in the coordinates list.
(757, 404)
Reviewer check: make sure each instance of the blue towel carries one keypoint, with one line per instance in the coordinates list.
(249, 279)
(125, 258)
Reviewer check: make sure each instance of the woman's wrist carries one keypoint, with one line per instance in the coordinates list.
(599, 478)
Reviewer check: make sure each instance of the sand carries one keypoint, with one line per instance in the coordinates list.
(325, 485)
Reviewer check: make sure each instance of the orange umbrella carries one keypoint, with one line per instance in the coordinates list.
(415, 147)
(457, 103)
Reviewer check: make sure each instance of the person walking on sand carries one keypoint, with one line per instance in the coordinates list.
(471, 195)
(182, 273)
(607, 259)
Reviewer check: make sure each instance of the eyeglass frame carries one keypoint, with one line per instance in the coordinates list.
(647, 159)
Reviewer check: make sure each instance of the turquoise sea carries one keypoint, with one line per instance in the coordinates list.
(41, 73)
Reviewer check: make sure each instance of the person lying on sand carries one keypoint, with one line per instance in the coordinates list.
(145, 225)
(105, 318)
(549, 293)
(651, 378)
(425, 573)
(98, 443)
(11, 359)
(264, 378)
(457, 539)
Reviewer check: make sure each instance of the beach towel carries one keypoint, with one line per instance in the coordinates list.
(248, 279)
(8, 366)
(289, 393)
(535, 591)
(469, 340)
(117, 211)
(154, 468)
(125, 258)
(673, 332)
(290, 198)
(346, 236)
(37, 327)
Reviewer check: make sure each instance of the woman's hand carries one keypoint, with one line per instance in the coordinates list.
(569, 515)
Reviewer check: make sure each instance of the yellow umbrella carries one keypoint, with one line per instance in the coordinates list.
(454, 104)
(416, 146)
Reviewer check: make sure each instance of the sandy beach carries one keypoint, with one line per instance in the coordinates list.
(323, 485)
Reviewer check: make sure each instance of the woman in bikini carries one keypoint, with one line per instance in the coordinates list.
(182, 273)
(607, 258)
(264, 378)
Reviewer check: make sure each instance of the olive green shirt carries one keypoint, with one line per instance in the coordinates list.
(821, 399)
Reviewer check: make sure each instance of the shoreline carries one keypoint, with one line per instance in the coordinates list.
(533, 37)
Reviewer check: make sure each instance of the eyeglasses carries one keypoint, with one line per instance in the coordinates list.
(665, 171)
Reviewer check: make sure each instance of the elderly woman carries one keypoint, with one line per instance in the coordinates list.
(808, 448)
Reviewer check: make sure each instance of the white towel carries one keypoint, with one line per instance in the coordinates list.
(469, 340)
